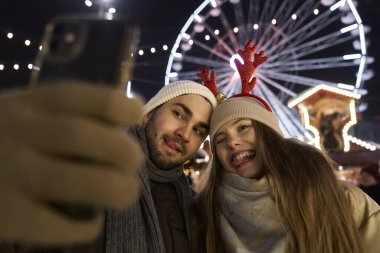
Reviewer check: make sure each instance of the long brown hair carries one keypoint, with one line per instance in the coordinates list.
(313, 206)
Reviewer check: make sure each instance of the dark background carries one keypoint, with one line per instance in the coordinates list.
(160, 22)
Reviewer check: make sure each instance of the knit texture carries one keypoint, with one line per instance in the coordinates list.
(176, 89)
(137, 228)
(242, 107)
(249, 217)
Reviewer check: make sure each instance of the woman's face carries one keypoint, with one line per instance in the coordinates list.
(236, 144)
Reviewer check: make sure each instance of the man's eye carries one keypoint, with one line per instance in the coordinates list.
(199, 131)
(178, 115)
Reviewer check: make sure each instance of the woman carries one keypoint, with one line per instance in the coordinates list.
(264, 193)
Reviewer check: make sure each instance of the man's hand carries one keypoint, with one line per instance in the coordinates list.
(65, 144)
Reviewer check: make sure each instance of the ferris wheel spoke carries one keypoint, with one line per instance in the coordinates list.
(312, 64)
(313, 46)
(239, 21)
(282, 12)
(204, 61)
(289, 25)
(289, 121)
(276, 85)
(253, 14)
(306, 31)
(306, 81)
(228, 28)
(267, 13)
(220, 41)
(303, 13)
(211, 50)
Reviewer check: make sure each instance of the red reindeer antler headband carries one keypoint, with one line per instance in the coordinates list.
(210, 83)
(245, 70)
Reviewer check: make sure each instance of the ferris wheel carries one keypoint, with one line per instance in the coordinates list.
(308, 42)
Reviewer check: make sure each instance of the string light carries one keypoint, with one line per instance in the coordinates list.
(9, 35)
(16, 66)
(88, 3)
(1, 67)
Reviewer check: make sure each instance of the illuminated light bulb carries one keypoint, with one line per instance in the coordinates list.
(165, 47)
(236, 30)
(274, 21)
(255, 26)
(213, 3)
(316, 11)
(294, 16)
(88, 3)
(16, 66)
(27, 43)
(141, 52)
(191, 42)
(173, 74)
(207, 37)
(216, 32)
(198, 18)
(1, 67)
(112, 10)
(177, 55)
(186, 36)
(40, 48)
(30, 66)
(9, 35)
(152, 50)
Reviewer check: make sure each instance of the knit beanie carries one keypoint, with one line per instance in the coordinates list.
(242, 107)
(373, 170)
(176, 89)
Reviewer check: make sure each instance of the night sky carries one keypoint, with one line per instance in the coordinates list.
(160, 22)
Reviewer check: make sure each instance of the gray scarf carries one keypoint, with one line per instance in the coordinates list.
(249, 218)
(136, 230)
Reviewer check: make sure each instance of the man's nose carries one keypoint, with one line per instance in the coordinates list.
(184, 132)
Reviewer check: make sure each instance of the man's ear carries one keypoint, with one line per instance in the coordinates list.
(147, 117)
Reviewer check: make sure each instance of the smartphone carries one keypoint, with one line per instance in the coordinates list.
(88, 48)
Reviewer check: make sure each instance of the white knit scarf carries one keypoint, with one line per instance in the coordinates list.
(249, 218)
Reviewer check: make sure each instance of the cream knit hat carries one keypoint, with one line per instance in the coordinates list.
(176, 89)
(242, 107)
(245, 104)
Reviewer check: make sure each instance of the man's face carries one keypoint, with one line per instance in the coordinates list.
(175, 130)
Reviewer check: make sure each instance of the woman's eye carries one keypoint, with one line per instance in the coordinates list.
(242, 127)
(218, 141)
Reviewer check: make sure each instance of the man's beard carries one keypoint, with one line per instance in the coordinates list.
(161, 160)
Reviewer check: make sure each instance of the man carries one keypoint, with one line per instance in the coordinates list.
(65, 144)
